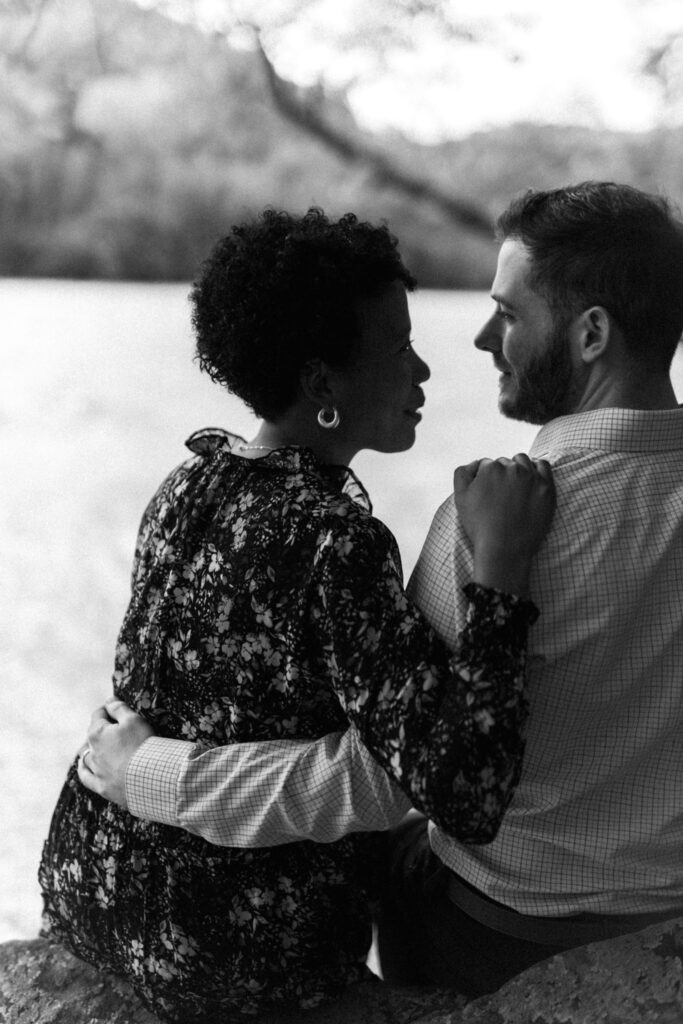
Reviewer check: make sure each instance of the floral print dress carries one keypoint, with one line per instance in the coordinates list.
(267, 603)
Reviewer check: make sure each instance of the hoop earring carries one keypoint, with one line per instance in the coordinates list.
(328, 424)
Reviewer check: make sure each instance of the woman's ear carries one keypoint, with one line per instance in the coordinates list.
(591, 333)
(314, 378)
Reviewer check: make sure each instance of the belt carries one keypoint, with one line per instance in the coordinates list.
(547, 931)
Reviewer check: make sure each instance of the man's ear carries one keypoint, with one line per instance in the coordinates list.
(314, 377)
(591, 333)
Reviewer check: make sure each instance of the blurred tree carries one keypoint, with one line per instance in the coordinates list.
(132, 140)
(663, 63)
(369, 36)
(92, 85)
(304, 109)
(362, 43)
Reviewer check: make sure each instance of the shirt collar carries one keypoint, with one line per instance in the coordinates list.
(292, 459)
(614, 430)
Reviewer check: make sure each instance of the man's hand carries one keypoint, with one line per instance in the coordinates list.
(114, 735)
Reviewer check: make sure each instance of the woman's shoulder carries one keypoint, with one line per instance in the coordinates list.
(208, 449)
(351, 531)
(315, 502)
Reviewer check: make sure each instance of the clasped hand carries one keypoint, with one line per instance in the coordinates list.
(114, 735)
(506, 507)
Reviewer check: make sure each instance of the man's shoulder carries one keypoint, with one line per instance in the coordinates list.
(439, 549)
(445, 517)
(443, 534)
(444, 564)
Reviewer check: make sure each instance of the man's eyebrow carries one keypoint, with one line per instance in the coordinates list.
(503, 302)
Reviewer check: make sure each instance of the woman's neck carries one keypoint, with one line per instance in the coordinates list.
(327, 445)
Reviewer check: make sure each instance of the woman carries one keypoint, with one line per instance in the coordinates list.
(267, 602)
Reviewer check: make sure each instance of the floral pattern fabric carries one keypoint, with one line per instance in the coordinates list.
(267, 602)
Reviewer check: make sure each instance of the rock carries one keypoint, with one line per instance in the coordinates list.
(637, 977)
(634, 978)
(42, 982)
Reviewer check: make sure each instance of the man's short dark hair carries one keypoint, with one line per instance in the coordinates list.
(280, 290)
(610, 245)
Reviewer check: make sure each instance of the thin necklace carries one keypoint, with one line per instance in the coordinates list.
(254, 448)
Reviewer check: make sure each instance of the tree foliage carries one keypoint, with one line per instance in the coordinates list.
(132, 140)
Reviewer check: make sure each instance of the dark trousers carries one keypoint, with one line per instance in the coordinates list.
(425, 939)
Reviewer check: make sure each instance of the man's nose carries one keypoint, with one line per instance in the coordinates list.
(488, 338)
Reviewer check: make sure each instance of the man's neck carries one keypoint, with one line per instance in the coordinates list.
(649, 392)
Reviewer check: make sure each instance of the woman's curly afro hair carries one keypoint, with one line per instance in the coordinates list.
(280, 290)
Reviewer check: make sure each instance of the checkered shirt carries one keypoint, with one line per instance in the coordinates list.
(596, 824)
(266, 793)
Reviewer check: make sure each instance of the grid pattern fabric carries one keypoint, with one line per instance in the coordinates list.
(266, 793)
(596, 824)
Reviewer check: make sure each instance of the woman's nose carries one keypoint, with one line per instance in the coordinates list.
(421, 371)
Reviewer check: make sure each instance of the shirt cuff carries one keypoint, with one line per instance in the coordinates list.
(152, 779)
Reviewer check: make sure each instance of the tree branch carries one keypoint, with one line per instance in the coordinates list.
(35, 12)
(354, 149)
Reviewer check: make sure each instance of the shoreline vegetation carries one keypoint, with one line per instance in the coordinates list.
(132, 142)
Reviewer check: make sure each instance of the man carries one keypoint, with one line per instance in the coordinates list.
(588, 314)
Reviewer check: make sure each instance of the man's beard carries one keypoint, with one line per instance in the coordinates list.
(546, 387)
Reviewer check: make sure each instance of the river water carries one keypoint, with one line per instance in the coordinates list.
(98, 392)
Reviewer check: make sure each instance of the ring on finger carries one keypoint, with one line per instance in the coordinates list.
(83, 759)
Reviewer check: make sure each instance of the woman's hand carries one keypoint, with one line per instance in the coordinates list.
(505, 507)
(114, 735)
